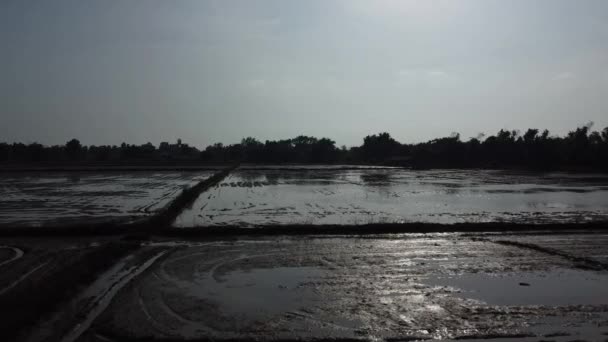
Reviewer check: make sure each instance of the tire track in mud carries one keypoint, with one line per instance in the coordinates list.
(580, 262)
(188, 325)
(22, 278)
(156, 325)
(18, 255)
(189, 328)
(192, 328)
(102, 300)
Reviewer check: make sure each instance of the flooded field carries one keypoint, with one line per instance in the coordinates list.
(406, 287)
(264, 196)
(74, 197)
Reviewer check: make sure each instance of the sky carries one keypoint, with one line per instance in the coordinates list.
(108, 71)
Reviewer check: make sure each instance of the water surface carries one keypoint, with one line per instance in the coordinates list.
(250, 197)
(32, 199)
(560, 287)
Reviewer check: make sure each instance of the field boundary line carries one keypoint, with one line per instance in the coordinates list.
(581, 262)
(167, 215)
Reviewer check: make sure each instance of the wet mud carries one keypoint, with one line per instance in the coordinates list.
(63, 199)
(9, 254)
(43, 273)
(397, 287)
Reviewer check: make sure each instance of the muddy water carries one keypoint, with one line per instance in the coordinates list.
(250, 197)
(65, 198)
(408, 287)
(560, 287)
(261, 293)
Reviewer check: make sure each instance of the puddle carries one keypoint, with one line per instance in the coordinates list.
(561, 287)
(261, 292)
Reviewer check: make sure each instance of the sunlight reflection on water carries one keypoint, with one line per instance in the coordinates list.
(260, 197)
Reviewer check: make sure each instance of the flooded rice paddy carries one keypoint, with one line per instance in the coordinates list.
(250, 197)
(262, 195)
(407, 287)
(30, 199)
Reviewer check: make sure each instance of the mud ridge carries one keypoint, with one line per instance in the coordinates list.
(581, 262)
(161, 227)
(166, 217)
(388, 228)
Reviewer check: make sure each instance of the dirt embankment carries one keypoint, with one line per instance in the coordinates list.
(387, 228)
(187, 197)
(160, 225)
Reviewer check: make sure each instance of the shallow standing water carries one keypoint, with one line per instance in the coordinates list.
(559, 287)
(250, 197)
(398, 287)
(32, 199)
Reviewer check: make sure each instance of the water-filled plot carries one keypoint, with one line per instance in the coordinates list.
(70, 198)
(407, 287)
(252, 197)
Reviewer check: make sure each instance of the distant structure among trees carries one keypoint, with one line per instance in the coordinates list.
(581, 148)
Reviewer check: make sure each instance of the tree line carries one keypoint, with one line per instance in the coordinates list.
(74, 152)
(581, 148)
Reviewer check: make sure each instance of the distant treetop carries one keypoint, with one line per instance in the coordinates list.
(581, 148)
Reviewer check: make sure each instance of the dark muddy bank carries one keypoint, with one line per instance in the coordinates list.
(100, 167)
(159, 227)
(145, 230)
(386, 228)
(36, 285)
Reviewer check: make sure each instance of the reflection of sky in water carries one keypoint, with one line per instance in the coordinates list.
(33, 199)
(252, 197)
(558, 287)
(260, 293)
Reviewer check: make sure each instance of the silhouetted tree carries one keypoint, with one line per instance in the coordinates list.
(379, 147)
(579, 149)
(73, 149)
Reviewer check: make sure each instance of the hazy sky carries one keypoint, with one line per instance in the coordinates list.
(108, 71)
